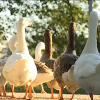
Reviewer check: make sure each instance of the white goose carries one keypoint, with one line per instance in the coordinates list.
(12, 46)
(20, 68)
(87, 67)
(2, 79)
(13, 42)
(40, 46)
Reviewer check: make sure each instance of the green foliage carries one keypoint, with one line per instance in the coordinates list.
(37, 89)
(60, 14)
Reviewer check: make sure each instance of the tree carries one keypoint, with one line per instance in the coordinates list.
(55, 15)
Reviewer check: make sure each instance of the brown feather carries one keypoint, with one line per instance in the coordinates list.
(41, 67)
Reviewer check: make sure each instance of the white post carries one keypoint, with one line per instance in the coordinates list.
(90, 5)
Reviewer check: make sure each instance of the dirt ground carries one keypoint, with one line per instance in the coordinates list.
(46, 96)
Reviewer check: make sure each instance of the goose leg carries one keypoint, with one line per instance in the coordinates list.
(0, 91)
(12, 86)
(72, 96)
(42, 89)
(59, 94)
(52, 97)
(3, 90)
(33, 90)
(26, 91)
(61, 97)
(30, 94)
(91, 96)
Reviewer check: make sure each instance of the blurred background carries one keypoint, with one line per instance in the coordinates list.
(47, 14)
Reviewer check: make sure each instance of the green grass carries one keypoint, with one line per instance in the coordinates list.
(37, 89)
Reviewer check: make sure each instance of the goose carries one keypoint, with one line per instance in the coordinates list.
(69, 81)
(13, 43)
(40, 46)
(3, 82)
(48, 60)
(64, 62)
(44, 74)
(87, 67)
(41, 67)
(68, 77)
(2, 79)
(20, 59)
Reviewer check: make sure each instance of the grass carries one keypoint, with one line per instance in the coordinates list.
(37, 89)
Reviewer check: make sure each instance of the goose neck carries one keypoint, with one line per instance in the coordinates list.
(38, 53)
(91, 44)
(22, 46)
(71, 45)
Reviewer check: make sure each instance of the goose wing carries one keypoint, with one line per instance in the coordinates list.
(49, 63)
(11, 61)
(42, 68)
(87, 65)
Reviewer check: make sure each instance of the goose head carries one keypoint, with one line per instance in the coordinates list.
(93, 17)
(91, 44)
(13, 43)
(72, 28)
(24, 22)
(41, 45)
(48, 40)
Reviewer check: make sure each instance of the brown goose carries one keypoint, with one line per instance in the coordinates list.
(48, 60)
(66, 60)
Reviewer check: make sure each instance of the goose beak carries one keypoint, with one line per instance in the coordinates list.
(30, 24)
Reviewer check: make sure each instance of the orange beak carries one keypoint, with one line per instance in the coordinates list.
(30, 24)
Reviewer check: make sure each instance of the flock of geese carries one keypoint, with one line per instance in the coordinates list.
(67, 71)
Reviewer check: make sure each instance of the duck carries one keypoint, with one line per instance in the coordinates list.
(20, 59)
(49, 61)
(87, 67)
(64, 62)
